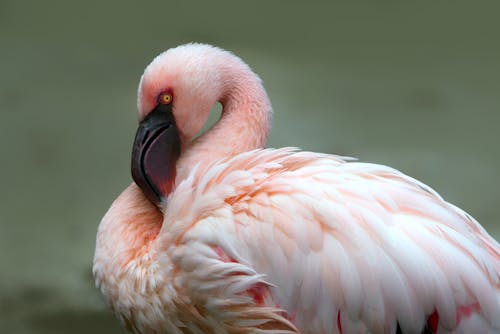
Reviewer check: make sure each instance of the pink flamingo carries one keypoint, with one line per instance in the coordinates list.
(218, 235)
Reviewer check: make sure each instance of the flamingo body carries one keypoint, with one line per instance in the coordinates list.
(253, 240)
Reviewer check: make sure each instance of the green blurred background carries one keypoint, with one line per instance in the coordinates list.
(414, 86)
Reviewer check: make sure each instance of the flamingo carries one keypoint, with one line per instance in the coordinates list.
(218, 234)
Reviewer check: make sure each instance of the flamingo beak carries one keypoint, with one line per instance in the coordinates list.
(155, 153)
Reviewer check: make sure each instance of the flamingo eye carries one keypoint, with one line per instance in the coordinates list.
(165, 98)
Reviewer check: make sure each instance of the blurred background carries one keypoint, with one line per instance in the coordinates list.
(413, 86)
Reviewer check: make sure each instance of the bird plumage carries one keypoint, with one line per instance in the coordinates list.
(287, 241)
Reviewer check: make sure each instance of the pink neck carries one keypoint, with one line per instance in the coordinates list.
(244, 124)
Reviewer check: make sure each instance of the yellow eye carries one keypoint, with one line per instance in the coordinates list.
(165, 98)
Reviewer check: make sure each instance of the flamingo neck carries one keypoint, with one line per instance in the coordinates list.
(126, 254)
(244, 124)
(133, 265)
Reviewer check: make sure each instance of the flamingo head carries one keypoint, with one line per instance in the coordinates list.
(175, 96)
(192, 74)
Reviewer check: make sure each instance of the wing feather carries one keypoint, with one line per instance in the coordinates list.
(336, 242)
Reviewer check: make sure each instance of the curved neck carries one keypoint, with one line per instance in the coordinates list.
(129, 265)
(125, 236)
(244, 124)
